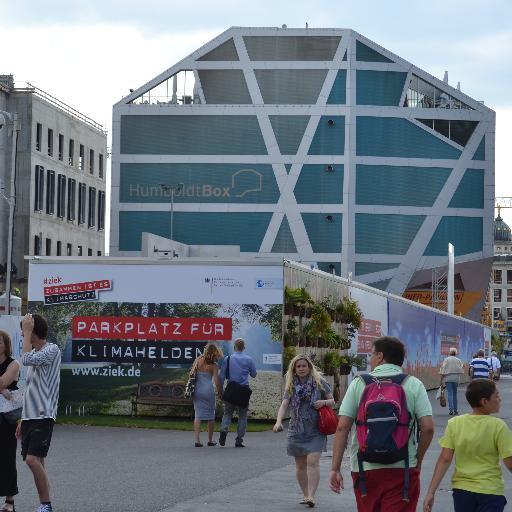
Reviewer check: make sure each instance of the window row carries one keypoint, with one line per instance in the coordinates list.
(498, 276)
(498, 315)
(499, 294)
(70, 156)
(48, 248)
(61, 198)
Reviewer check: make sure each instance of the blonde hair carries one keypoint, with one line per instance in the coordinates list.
(313, 371)
(212, 353)
(7, 343)
(453, 351)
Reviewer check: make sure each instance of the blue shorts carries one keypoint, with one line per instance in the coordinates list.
(467, 501)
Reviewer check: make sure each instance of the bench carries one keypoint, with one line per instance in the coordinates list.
(156, 393)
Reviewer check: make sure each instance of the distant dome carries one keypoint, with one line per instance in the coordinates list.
(501, 230)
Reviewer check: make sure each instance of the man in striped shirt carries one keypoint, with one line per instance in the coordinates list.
(40, 401)
(479, 368)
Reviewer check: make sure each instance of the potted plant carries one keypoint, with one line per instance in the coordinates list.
(330, 362)
(347, 362)
(349, 312)
(296, 301)
(290, 337)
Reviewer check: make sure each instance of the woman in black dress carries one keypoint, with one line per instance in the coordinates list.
(9, 373)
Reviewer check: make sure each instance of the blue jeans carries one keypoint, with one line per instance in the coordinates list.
(451, 389)
(229, 409)
(466, 501)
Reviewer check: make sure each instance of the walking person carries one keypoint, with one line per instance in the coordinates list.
(207, 373)
(40, 401)
(479, 368)
(9, 374)
(236, 368)
(495, 365)
(451, 370)
(306, 391)
(478, 441)
(380, 484)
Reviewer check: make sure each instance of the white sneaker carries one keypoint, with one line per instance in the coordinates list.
(45, 508)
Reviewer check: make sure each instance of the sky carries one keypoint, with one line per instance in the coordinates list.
(89, 53)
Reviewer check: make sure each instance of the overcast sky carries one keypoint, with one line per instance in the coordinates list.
(89, 53)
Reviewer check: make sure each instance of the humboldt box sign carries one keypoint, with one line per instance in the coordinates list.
(141, 339)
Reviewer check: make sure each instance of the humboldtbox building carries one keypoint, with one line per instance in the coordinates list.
(316, 145)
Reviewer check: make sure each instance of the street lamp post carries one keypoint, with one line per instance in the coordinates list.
(172, 189)
(11, 199)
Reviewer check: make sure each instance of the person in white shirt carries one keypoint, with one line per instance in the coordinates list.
(494, 365)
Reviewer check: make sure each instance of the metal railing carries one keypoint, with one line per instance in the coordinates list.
(61, 105)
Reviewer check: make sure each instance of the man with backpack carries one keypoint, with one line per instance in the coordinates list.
(394, 428)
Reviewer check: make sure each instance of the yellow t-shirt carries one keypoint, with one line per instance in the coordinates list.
(479, 442)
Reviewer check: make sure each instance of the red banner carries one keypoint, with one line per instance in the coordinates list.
(144, 328)
(104, 284)
(369, 331)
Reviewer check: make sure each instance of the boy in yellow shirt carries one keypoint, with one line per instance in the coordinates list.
(478, 442)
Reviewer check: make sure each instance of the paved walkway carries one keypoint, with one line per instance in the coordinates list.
(113, 469)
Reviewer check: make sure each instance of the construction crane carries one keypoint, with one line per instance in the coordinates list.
(502, 202)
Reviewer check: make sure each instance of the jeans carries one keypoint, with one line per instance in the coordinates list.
(466, 501)
(451, 389)
(229, 409)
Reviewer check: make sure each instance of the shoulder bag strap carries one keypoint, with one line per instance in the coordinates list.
(227, 368)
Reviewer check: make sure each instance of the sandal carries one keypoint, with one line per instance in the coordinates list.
(8, 502)
(310, 502)
(212, 443)
(198, 445)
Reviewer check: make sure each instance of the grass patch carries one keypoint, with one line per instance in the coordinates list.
(153, 422)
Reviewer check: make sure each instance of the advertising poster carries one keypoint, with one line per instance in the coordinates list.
(416, 327)
(474, 340)
(129, 333)
(375, 321)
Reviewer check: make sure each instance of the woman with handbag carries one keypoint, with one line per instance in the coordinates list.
(451, 370)
(305, 392)
(9, 373)
(207, 373)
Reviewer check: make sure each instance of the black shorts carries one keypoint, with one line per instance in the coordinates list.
(36, 436)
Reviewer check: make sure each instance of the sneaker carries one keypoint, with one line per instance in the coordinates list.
(239, 444)
(451, 413)
(45, 508)
(222, 438)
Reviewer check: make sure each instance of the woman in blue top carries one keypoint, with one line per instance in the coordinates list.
(305, 393)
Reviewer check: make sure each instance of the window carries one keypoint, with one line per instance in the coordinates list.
(37, 245)
(509, 276)
(39, 188)
(101, 210)
(39, 136)
(100, 165)
(497, 276)
(509, 314)
(50, 192)
(497, 314)
(509, 295)
(81, 203)
(50, 142)
(71, 199)
(81, 158)
(80, 252)
(71, 154)
(458, 131)
(99, 253)
(59, 248)
(48, 247)
(89, 252)
(61, 146)
(92, 207)
(61, 196)
(69, 250)
(91, 161)
(497, 295)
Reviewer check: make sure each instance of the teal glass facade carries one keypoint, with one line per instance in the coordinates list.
(319, 145)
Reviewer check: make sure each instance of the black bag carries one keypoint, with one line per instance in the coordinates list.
(11, 417)
(234, 393)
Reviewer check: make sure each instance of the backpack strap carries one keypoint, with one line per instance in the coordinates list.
(396, 379)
